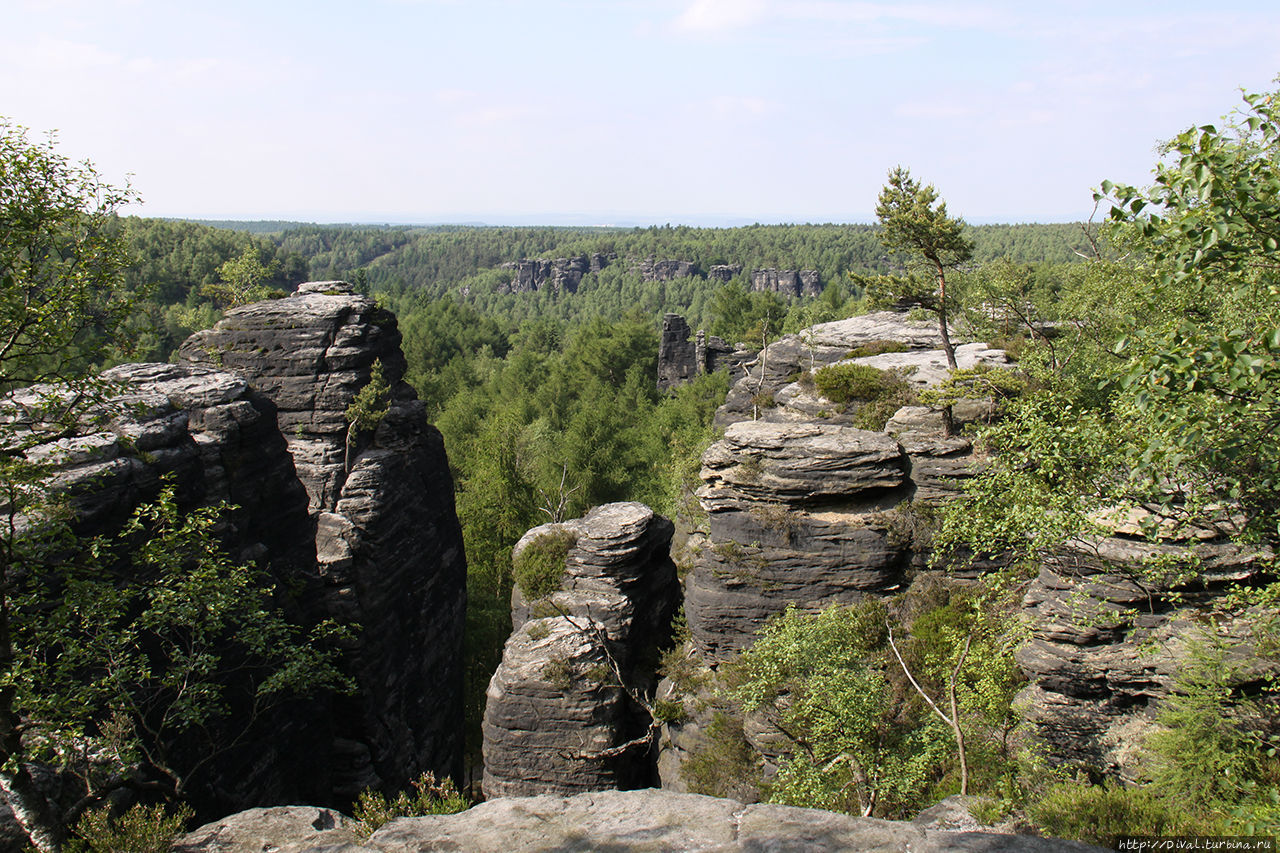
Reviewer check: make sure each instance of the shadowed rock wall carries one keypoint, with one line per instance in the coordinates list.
(388, 545)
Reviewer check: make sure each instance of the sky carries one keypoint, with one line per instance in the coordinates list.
(703, 112)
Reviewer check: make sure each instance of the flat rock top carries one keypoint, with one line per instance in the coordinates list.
(649, 821)
(878, 325)
(186, 386)
(332, 288)
(926, 368)
(790, 437)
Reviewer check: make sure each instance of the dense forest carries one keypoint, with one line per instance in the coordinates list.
(1147, 375)
(548, 400)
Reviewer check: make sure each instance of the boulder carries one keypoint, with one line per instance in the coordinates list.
(280, 829)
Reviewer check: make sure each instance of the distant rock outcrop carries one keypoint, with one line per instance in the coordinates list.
(664, 270)
(562, 713)
(614, 821)
(723, 272)
(789, 283)
(562, 274)
(681, 359)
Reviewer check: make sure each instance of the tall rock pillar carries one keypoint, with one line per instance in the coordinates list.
(388, 544)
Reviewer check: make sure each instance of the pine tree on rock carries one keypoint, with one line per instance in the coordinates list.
(914, 219)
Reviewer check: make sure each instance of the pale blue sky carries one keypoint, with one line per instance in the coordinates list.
(703, 111)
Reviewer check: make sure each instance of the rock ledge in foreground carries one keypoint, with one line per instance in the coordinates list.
(617, 821)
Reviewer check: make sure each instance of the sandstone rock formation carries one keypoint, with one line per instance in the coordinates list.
(565, 710)
(388, 545)
(681, 359)
(723, 272)
(805, 509)
(789, 283)
(617, 821)
(562, 274)
(1107, 642)
(809, 514)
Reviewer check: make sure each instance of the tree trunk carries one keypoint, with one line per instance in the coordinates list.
(947, 346)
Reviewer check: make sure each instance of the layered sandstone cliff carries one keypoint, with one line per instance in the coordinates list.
(388, 545)
(361, 529)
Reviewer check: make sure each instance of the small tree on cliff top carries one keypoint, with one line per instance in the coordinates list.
(914, 220)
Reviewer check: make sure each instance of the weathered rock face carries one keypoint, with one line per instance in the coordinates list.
(807, 514)
(561, 714)
(805, 509)
(217, 438)
(681, 359)
(790, 283)
(387, 541)
(723, 272)
(563, 274)
(623, 821)
(677, 354)
(1106, 644)
(206, 428)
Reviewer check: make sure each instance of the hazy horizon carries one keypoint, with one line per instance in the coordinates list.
(681, 111)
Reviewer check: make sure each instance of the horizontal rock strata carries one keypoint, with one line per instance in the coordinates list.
(799, 514)
(388, 545)
(1108, 641)
(562, 713)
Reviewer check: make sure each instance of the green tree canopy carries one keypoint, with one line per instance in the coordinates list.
(914, 220)
(62, 254)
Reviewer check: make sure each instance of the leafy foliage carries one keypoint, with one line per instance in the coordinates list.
(726, 766)
(141, 829)
(913, 219)
(846, 383)
(1101, 814)
(373, 809)
(372, 402)
(1156, 398)
(61, 257)
(878, 393)
(821, 680)
(151, 638)
(242, 280)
